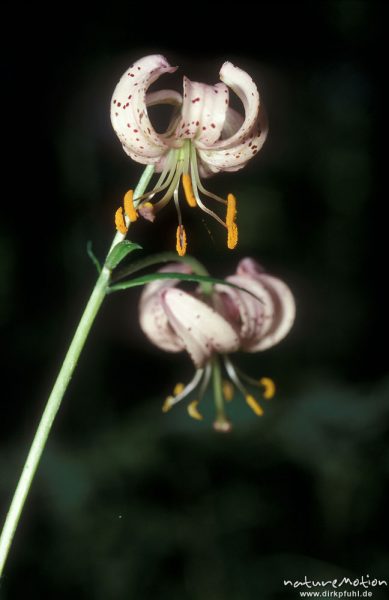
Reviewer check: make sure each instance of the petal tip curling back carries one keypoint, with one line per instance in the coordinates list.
(129, 115)
(201, 329)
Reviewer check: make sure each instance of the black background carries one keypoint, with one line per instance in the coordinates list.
(132, 504)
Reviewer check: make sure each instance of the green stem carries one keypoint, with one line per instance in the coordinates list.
(221, 422)
(54, 402)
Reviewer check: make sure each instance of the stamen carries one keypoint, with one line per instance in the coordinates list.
(167, 172)
(234, 376)
(129, 206)
(206, 192)
(120, 222)
(164, 179)
(188, 190)
(193, 411)
(269, 387)
(228, 390)
(192, 407)
(172, 187)
(195, 177)
(195, 174)
(178, 388)
(205, 381)
(232, 237)
(253, 404)
(231, 210)
(169, 402)
(181, 241)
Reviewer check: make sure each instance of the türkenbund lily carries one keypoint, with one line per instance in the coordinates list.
(210, 328)
(205, 136)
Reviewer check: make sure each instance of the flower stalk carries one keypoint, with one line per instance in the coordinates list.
(61, 384)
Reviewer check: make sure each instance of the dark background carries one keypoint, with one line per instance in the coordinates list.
(132, 504)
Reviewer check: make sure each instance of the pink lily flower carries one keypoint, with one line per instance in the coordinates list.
(175, 320)
(205, 136)
(211, 328)
(260, 325)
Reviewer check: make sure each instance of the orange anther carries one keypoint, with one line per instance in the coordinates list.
(231, 210)
(232, 236)
(129, 206)
(181, 241)
(269, 387)
(120, 222)
(188, 190)
(253, 404)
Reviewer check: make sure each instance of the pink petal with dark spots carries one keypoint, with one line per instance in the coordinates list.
(244, 87)
(152, 316)
(250, 313)
(145, 144)
(203, 112)
(260, 323)
(202, 330)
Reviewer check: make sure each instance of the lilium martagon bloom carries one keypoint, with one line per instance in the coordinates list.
(210, 328)
(205, 136)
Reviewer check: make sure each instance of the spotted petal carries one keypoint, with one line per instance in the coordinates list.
(284, 313)
(201, 329)
(236, 147)
(203, 112)
(232, 159)
(129, 114)
(152, 316)
(251, 313)
(232, 123)
(284, 308)
(244, 87)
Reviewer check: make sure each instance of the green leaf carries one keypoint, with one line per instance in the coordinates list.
(144, 279)
(93, 257)
(155, 259)
(119, 252)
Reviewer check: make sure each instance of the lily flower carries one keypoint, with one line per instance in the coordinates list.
(205, 136)
(212, 327)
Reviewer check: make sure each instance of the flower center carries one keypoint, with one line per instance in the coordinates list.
(180, 167)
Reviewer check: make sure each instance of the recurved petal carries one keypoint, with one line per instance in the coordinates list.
(152, 316)
(232, 123)
(217, 159)
(159, 161)
(282, 300)
(250, 313)
(244, 87)
(284, 313)
(155, 325)
(249, 267)
(201, 329)
(163, 97)
(203, 112)
(129, 114)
